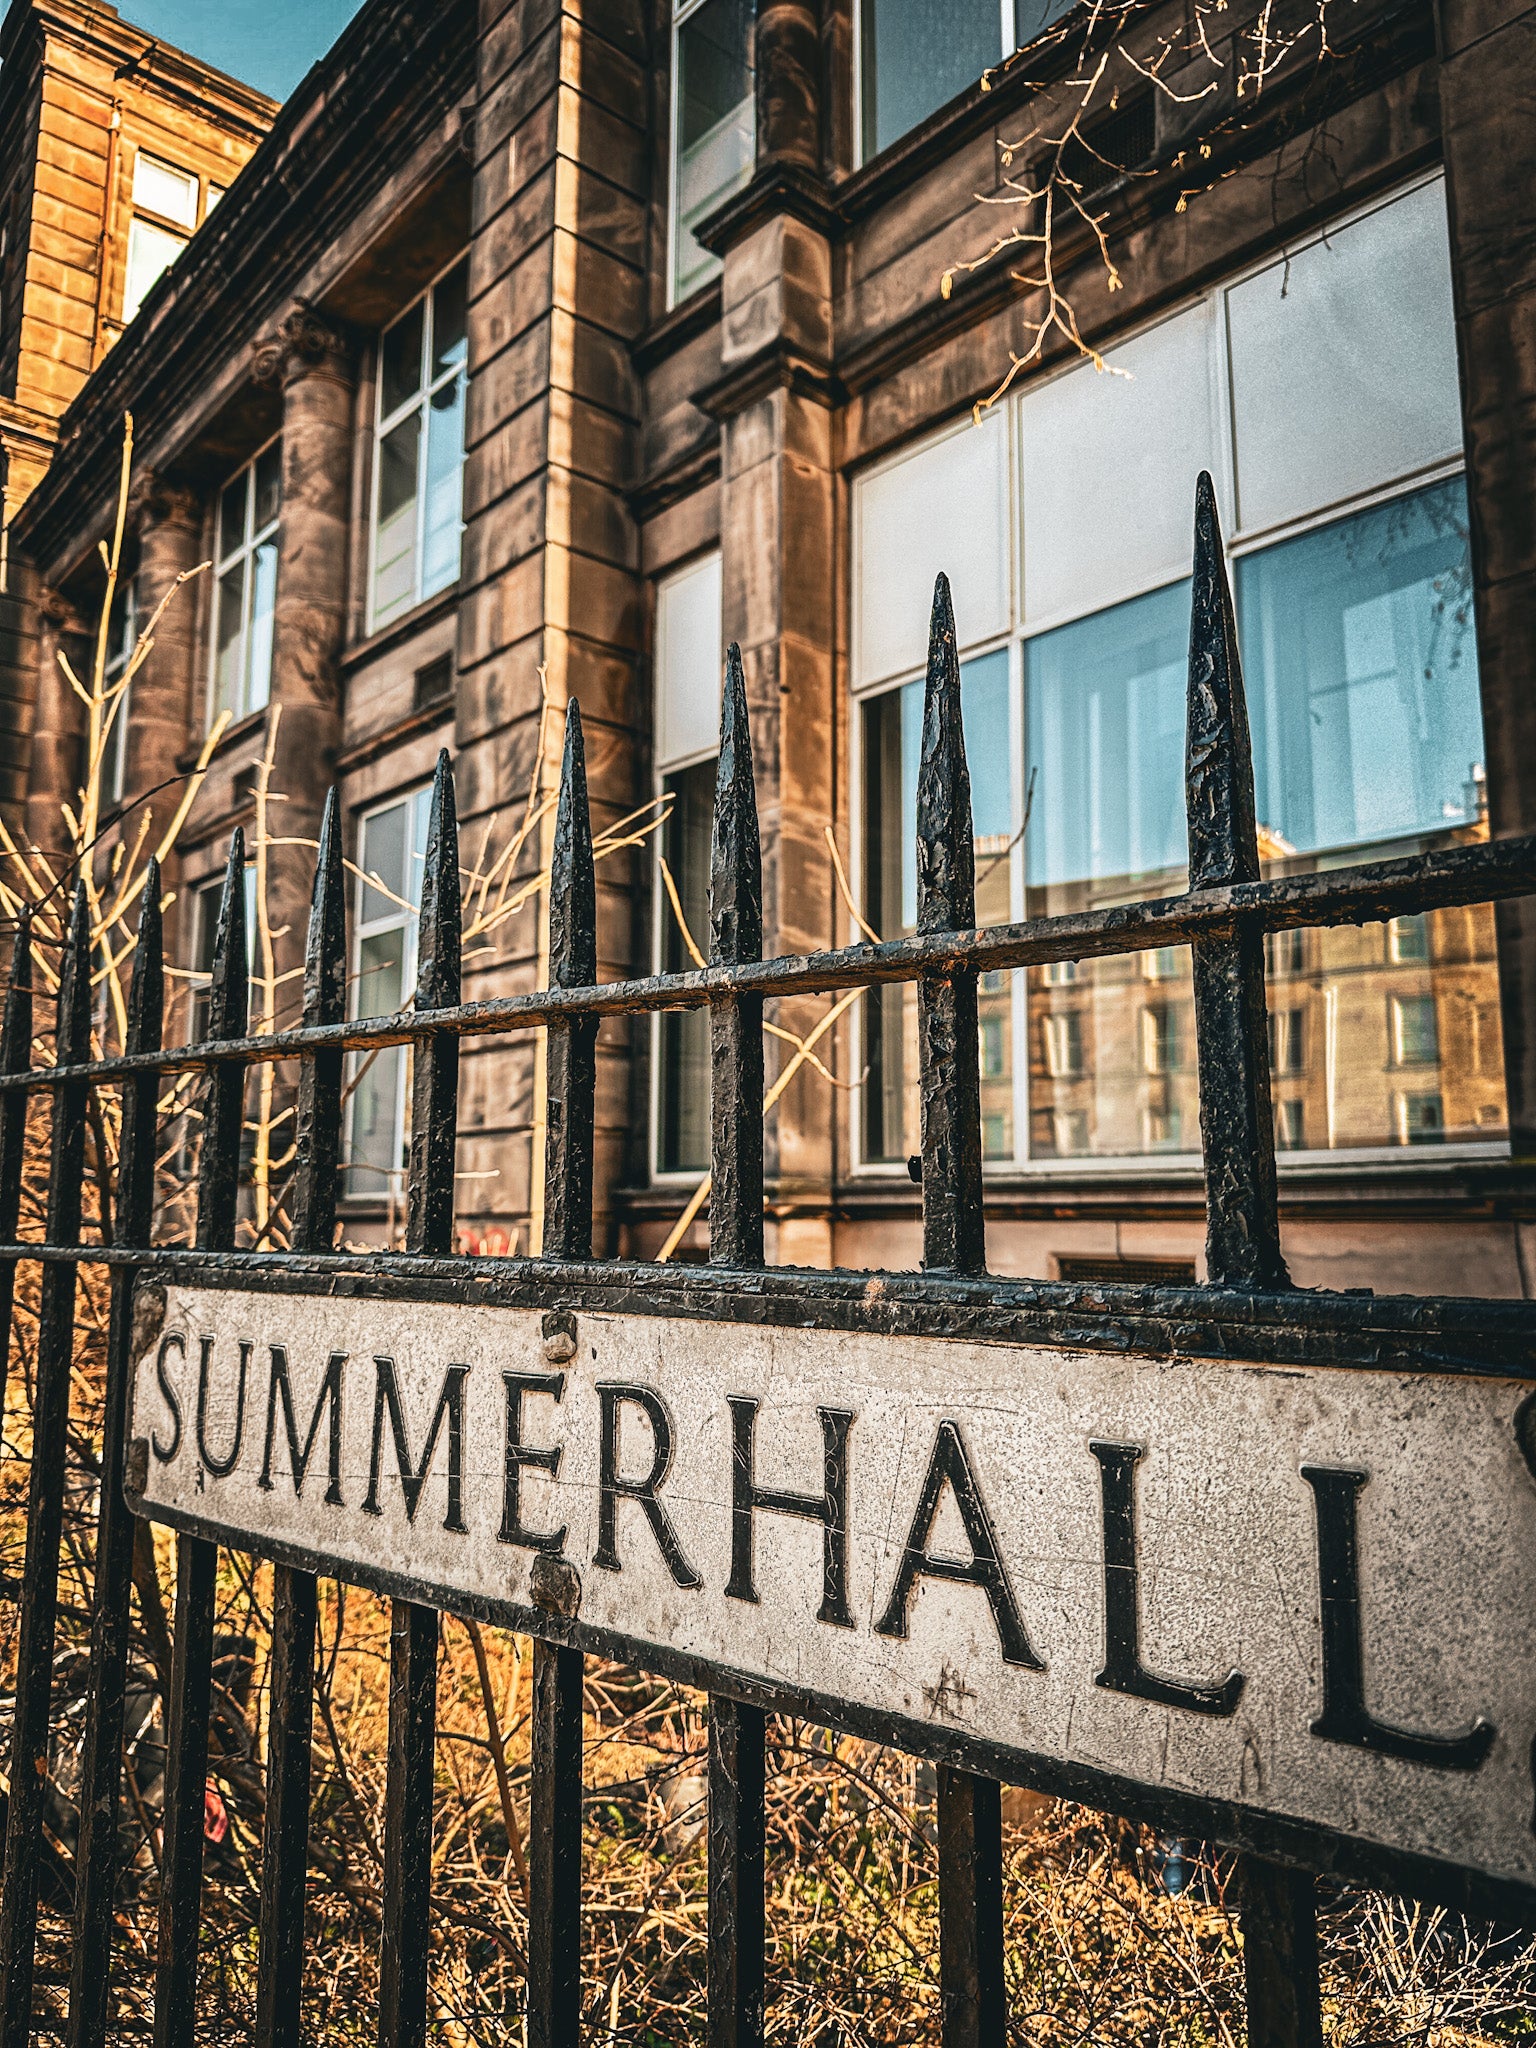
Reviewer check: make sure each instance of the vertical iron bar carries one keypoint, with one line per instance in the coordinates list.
(15, 1057)
(554, 1849)
(737, 1774)
(1242, 1217)
(45, 1501)
(1242, 1205)
(111, 1618)
(186, 1770)
(1279, 1909)
(737, 1734)
(285, 1831)
(954, 1237)
(413, 1629)
(571, 1062)
(971, 1940)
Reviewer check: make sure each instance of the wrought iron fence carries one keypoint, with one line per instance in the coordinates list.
(1247, 1308)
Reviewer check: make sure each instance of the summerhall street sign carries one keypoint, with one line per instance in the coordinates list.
(1297, 1602)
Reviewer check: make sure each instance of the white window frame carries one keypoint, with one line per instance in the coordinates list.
(1239, 544)
(682, 12)
(660, 908)
(254, 537)
(205, 196)
(384, 424)
(407, 921)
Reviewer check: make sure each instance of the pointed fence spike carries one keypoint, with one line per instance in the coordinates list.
(1237, 1136)
(16, 1030)
(146, 989)
(946, 854)
(437, 946)
(570, 1050)
(1223, 834)
(229, 994)
(325, 947)
(572, 882)
(954, 1233)
(72, 1025)
(735, 1022)
(15, 1058)
(736, 856)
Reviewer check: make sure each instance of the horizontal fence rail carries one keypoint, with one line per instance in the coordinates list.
(1248, 1310)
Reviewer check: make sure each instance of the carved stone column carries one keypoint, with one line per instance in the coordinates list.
(162, 708)
(58, 722)
(788, 66)
(312, 361)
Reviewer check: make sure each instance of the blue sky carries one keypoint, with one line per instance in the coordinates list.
(267, 43)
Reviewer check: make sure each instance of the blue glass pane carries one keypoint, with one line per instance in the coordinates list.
(1105, 718)
(1361, 662)
(916, 55)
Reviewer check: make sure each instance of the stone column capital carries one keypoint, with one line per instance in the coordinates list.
(153, 501)
(58, 612)
(304, 343)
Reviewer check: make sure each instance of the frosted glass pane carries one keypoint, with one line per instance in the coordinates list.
(688, 658)
(1109, 468)
(162, 189)
(944, 507)
(151, 251)
(1344, 363)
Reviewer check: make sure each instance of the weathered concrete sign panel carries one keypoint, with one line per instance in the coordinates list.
(1308, 1594)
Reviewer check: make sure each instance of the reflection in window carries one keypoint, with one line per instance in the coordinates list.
(1361, 670)
(392, 845)
(683, 1122)
(418, 516)
(1362, 675)
(246, 590)
(892, 747)
(715, 127)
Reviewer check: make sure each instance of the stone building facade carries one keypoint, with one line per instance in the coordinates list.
(542, 350)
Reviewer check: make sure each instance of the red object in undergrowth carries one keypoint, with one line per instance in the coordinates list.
(215, 1816)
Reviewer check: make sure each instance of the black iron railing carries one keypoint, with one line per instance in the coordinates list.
(1246, 1309)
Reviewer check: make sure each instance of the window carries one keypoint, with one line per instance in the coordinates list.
(1415, 1038)
(1060, 973)
(1420, 1120)
(246, 590)
(1408, 941)
(122, 638)
(714, 124)
(1290, 1126)
(917, 55)
(1286, 1039)
(892, 745)
(1063, 1044)
(165, 212)
(418, 485)
(687, 729)
(392, 846)
(1065, 520)
(1162, 1039)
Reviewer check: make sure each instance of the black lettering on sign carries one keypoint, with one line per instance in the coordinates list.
(1345, 1716)
(165, 1452)
(542, 1457)
(612, 1488)
(450, 1405)
(949, 1466)
(220, 1467)
(1123, 1669)
(829, 1507)
(329, 1395)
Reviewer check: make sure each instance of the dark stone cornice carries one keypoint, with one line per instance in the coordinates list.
(354, 120)
(777, 367)
(677, 481)
(696, 313)
(778, 188)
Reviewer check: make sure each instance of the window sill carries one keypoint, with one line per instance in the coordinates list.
(241, 729)
(406, 627)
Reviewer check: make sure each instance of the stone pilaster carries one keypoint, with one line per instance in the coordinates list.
(162, 704)
(312, 361)
(1487, 77)
(53, 776)
(775, 404)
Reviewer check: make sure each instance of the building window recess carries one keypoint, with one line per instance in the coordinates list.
(433, 683)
